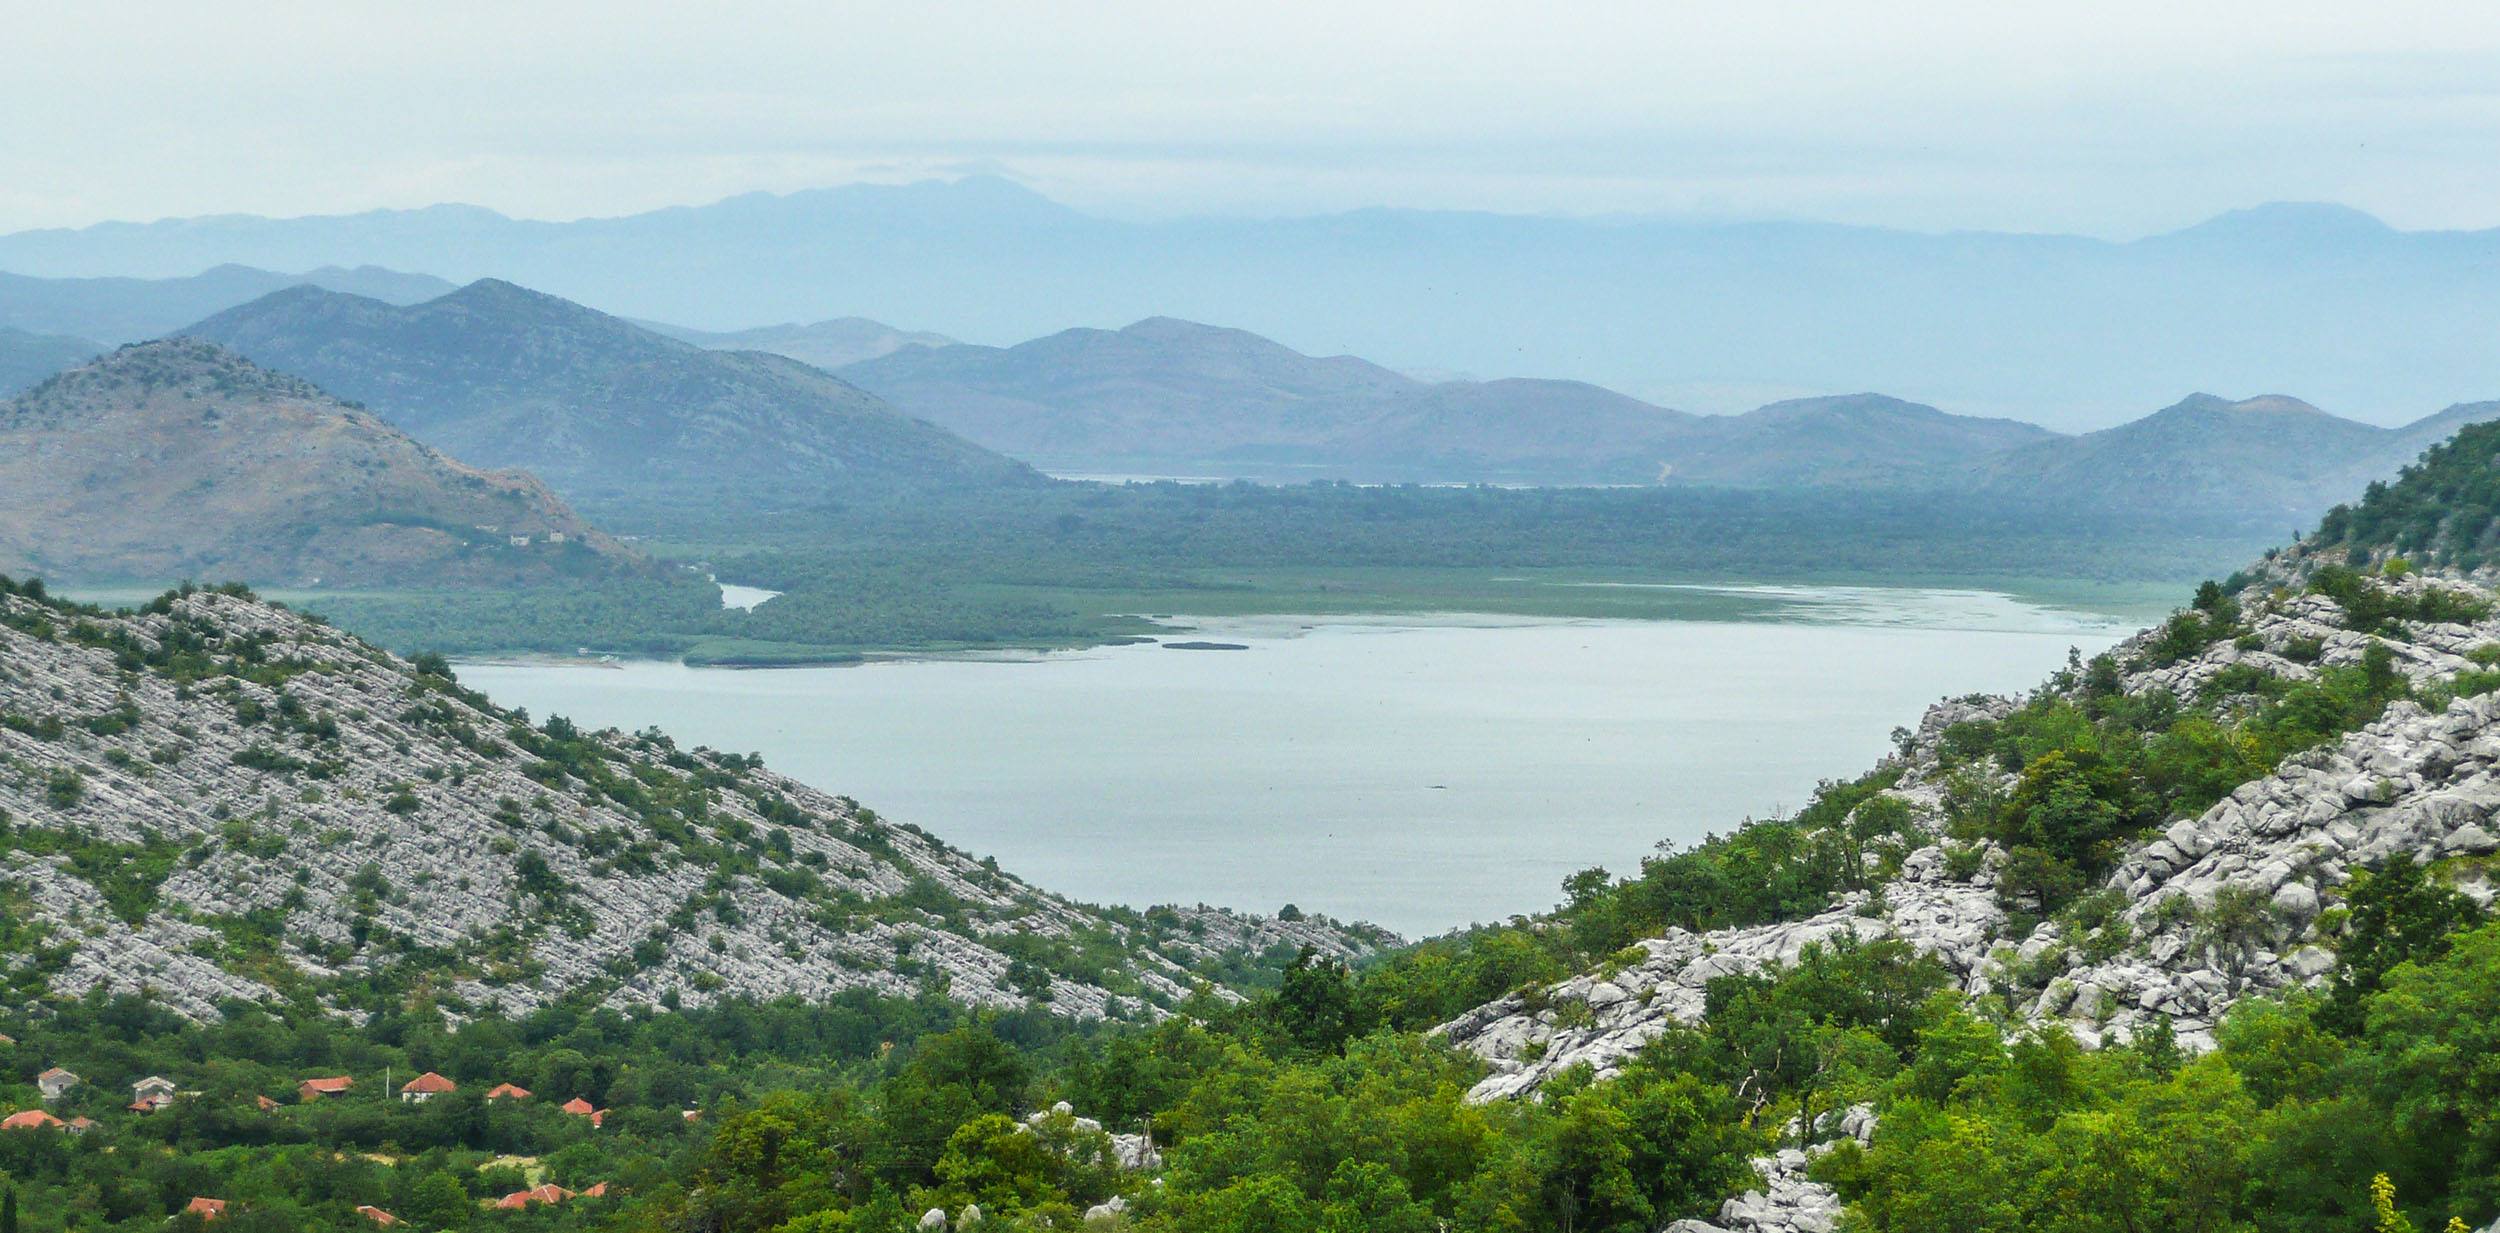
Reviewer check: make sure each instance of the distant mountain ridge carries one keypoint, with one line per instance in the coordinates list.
(26, 359)
(1165, 394)
(2251, 460)
(2060, 330)
(120, 310)
(826, 344)
(603, 409)
(180, 459)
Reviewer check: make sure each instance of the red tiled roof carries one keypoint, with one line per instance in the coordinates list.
(31, 1119)
(265, 1103)
(209, 1209)
(507, 1091)
(549, 1193)
(81, 1125)
(578, 1107)
(56, 1073)
(377, 1215)
(429, 1082)
(331, 1086)
(599, 1191)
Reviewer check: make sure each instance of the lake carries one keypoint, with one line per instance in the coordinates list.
(1421, 772)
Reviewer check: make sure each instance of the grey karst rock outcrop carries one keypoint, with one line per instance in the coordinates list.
(2204, 911)
(1531, 1038)
(217, 796)
(1788, 1199)
(1133, 1152)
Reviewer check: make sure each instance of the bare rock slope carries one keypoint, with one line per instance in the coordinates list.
(216, 798)
(2203, 912)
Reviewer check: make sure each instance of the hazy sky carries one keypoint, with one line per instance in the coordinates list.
(2106, 118)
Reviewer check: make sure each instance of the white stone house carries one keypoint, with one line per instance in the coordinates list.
(55, 1083)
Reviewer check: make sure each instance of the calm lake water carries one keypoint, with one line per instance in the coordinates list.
(1419, 772)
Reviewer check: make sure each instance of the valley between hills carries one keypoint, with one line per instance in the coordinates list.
(2193, 933)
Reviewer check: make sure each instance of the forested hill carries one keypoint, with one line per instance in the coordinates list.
(604, 410)
(215, 800)
(2444, 509)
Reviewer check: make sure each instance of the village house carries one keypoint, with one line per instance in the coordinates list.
(315, 1089)
(6, 1040)
(377, 1215)
(31, 1119)
(55, 1083)
(507, 1091)
(518, 1199)
(579, 1107)
(555, 537)
(205, 1208)
(266, 1105)
(520, 541)
(80, 1125)
(425, 1087)
(151, 1094)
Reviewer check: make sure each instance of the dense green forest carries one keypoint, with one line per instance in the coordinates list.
(1307, 1109)
(1073, 564)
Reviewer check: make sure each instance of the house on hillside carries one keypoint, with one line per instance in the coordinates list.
(520, 541)
(518, 1199)
(7, 1040)
(507, 1091)
(555, 537)
(315, 1089)
(205, 1208)
(377, 1215)
(31, 1119)
(151, 1094)
(579, 1107)
(56, 1083)
(79, 1125)
(425, 1087)
(266, 1105)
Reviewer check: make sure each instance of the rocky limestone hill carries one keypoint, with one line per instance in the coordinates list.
(601, 408)
(172, 459)
(215, 798)
(2233, 900)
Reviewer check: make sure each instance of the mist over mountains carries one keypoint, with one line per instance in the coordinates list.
(2067, 332)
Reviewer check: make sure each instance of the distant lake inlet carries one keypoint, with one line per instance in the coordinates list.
(1421, 772)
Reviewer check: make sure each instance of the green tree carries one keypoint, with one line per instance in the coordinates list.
(2395, 914)
(438, 1202)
